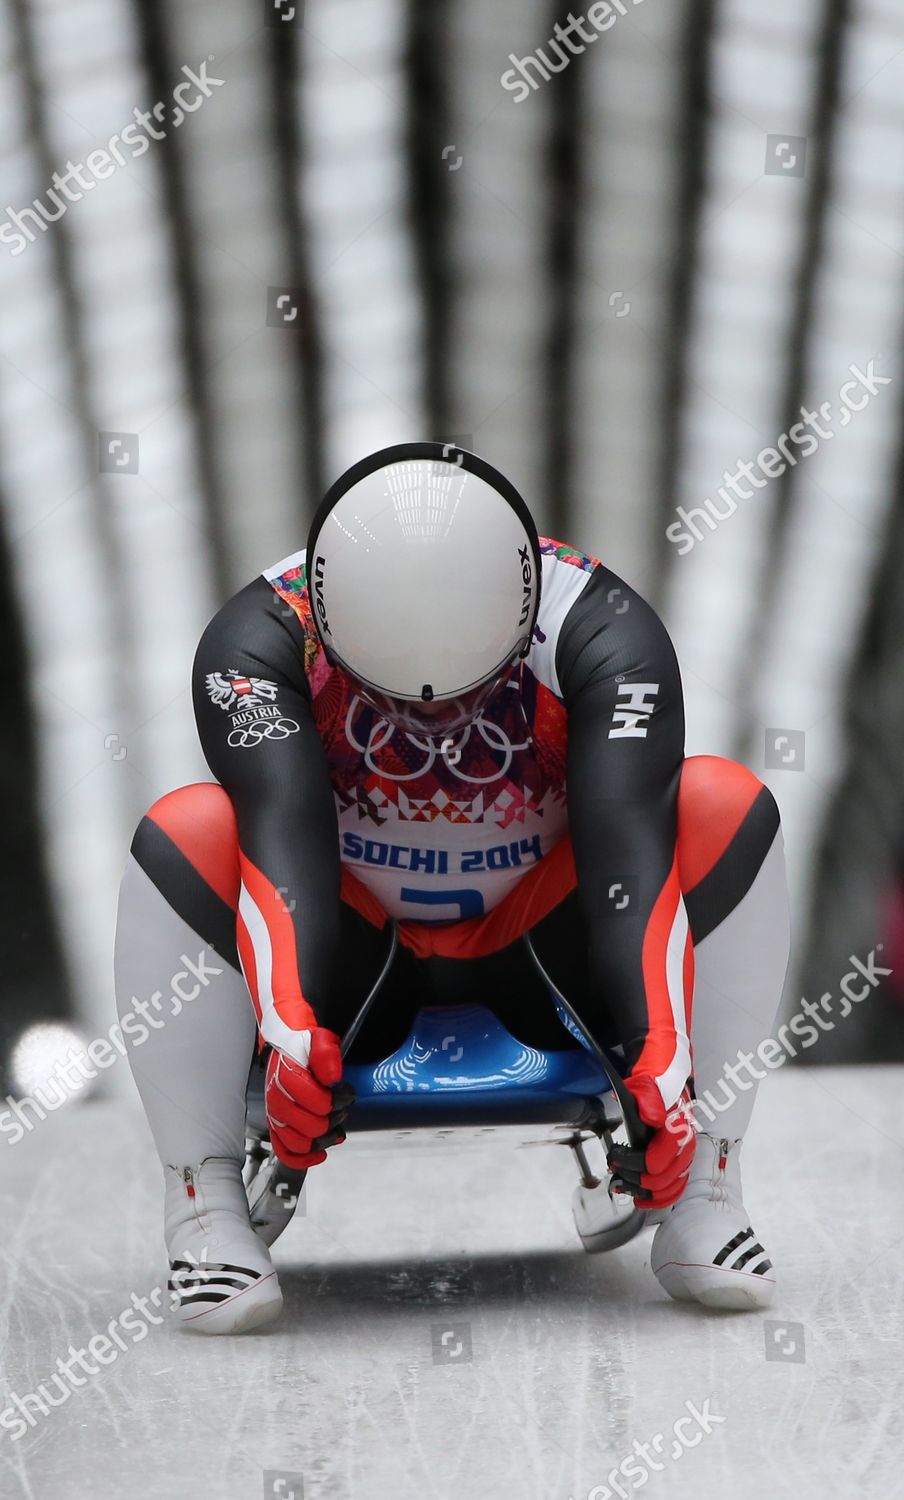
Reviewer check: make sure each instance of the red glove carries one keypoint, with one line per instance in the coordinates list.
(656, 1175)
(304, 1106)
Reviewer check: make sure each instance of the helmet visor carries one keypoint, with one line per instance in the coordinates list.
(438, 717)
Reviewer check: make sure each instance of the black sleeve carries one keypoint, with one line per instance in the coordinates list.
(622, 692)
(271, 762)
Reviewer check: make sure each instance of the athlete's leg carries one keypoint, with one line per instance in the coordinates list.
(731, 867)
(189, 1026)
(176, 921)
(732, 871)
(174, 907)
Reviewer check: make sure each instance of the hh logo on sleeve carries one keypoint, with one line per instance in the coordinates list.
(631, 717)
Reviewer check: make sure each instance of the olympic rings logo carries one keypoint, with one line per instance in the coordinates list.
(262, 729)
(449, 750)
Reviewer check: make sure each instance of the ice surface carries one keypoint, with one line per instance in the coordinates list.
(572, 1357)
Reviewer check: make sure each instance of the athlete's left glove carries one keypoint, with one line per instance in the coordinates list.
(307, 1105)
(656, 1176)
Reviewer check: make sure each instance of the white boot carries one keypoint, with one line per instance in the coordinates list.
(221, 1272)
(704, 1249)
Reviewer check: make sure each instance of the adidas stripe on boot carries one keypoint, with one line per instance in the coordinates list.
(221, 1274)
(705, 1248)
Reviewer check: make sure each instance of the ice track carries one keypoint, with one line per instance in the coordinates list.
(572, 1358)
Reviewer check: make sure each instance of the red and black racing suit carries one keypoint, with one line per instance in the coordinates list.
(566, 810)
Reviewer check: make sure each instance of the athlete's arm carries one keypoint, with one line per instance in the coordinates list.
(277, 778)
(622, 692)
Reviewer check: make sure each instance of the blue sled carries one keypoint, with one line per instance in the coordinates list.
(461, 1067)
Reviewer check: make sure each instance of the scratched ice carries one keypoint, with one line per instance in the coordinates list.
(553, 1362)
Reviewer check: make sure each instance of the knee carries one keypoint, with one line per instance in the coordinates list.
(715, 796)
(196, 823)
(713, 786)
(202, 805)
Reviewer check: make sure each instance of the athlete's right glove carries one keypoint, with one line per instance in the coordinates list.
(307, 1105)
(657, 1175)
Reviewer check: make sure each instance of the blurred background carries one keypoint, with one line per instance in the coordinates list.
(244, 243)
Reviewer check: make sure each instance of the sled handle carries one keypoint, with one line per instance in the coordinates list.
(361, 1016)
(639, 1134)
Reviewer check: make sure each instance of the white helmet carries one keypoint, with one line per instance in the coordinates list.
(423, 571)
